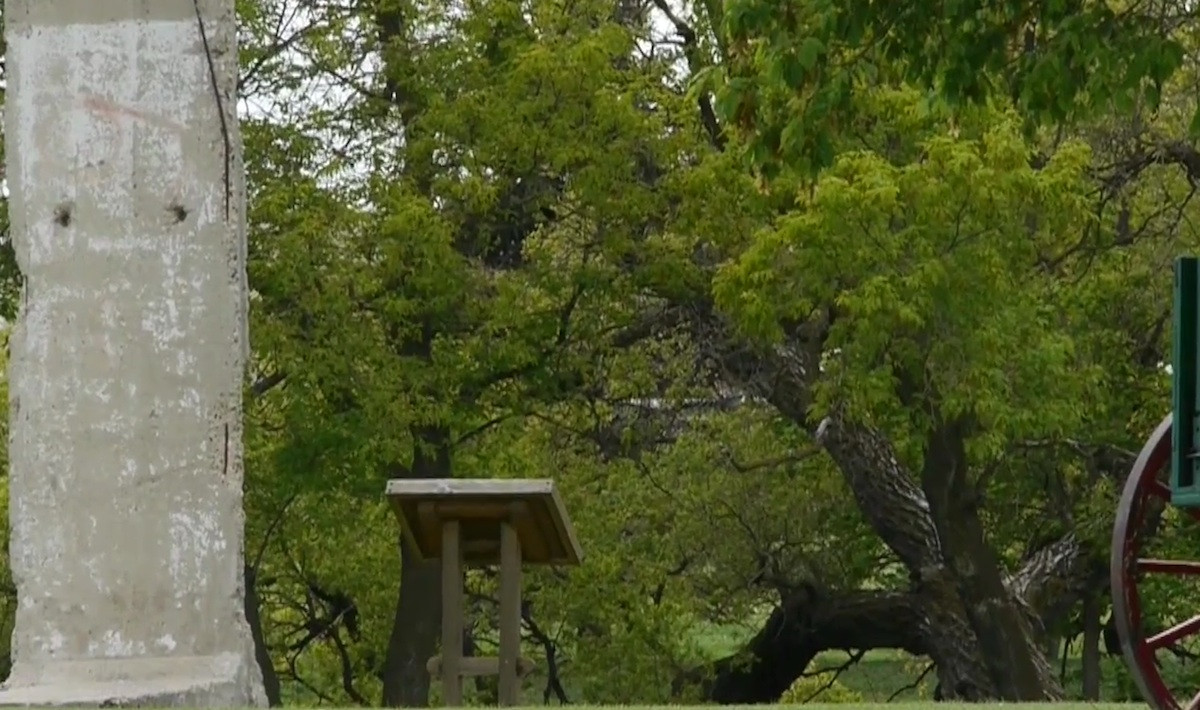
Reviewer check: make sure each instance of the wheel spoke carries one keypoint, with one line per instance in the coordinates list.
(1175, 633)
(1182, 568)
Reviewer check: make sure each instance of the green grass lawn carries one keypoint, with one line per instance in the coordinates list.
(928, 705)
(880, 674)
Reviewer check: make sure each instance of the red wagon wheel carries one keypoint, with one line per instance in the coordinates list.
(1151, 573)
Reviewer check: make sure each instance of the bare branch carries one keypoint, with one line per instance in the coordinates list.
(913, 685)
(838, 670)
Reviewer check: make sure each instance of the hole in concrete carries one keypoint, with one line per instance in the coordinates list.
(62, 214)
(178, 211)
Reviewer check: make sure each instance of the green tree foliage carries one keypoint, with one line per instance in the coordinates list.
(941, 310)
(498, 283)
(796, 66)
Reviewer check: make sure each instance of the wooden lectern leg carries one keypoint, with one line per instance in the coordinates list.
(510, 615)
(452, 615)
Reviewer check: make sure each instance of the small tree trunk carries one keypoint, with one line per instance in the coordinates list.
(1065, 653)
(261, 653)
(1091, 648)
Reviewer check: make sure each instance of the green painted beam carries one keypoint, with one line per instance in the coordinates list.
(1185, 475)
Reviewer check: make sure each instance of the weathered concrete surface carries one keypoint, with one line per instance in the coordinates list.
(128, 357)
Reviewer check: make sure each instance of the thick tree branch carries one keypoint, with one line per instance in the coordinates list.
(885, 492)
(1117, 175)
(1053, 579)
(808, 622)
(884, 489)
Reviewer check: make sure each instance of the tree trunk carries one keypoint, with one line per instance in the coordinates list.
(261, 652)
(1018, 669)
(416, 626)
(951, 642)
(1055, 578)
(897, 509)
(1091, 648)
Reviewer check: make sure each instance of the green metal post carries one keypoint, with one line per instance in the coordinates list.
(1185, 491)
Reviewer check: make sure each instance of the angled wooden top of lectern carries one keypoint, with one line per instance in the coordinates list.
(532, 506)
(477, 522)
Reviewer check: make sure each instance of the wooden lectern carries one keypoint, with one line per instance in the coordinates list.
(479, 522)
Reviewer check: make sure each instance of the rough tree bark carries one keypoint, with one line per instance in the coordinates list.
(815, 620)
(1010, 650)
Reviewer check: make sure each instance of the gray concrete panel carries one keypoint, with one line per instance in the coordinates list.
(127, 207)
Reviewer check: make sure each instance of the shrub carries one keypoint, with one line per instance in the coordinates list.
(822, 687)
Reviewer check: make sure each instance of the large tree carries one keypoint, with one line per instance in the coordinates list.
(929, 396)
